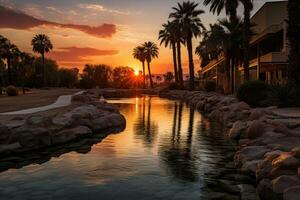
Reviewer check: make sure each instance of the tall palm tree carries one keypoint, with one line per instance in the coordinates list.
(151, 51)
(187, 16)
(217, 6)
(211, 45)
(248, 6)
(8, 51)
(167, 36)
(41, 44)
(26, 61)
(294, 42)
(139, 54)
(232, 41)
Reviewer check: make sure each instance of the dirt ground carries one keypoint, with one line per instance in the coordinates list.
(34, 98)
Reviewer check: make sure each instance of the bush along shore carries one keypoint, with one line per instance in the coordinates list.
(85, 117)
(268, 144)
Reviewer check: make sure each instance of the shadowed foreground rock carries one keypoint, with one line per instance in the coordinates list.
(269, 144)
(39, 131)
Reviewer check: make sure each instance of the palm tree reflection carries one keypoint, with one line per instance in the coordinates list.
(176, 152)
(144, 128)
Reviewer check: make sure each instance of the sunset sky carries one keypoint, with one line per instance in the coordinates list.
(94, 31)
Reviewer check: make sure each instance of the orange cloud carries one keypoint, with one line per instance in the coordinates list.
(78, 54)
(10, 18)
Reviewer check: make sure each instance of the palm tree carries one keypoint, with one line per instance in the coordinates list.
(248, 6)
(151, 51)
(8, 51)
(26, 61)
(187, 16)
(230, 6)
(211, 45)
(167, 36)
(294, 42)
(139, 54)
(232, 41)
(41, 44)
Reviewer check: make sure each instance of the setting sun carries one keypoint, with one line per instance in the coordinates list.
(136, 72)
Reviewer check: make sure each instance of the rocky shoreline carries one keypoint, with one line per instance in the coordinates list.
(86, 117)
(268, 144)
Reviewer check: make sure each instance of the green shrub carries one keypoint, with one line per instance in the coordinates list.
(210, 86)
(12, 91)
(253, 92)
(284, 96)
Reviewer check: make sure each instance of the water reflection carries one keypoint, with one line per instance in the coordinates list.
(145, 128)
(167, 151)
(175, 152)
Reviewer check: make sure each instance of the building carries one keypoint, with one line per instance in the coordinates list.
(268, 48)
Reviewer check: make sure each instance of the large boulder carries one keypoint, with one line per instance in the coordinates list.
(284, 182)
(265, 190)
(70, 134)
(39, 120)
(4, 134)
(292, 193)
(237, 129)
(250, 153)
(109, 121)
(256, 129)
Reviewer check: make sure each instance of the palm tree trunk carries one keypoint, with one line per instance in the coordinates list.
(180, 73)
(226, 85)
(191, 64)
(44, 70)
(9, 70)
(294, 42)
(232, 74)
(247, 10)
(175, 62)
(150, 76)
(144, 75)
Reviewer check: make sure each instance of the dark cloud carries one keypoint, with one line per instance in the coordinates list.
(78, 54)
(18, 20)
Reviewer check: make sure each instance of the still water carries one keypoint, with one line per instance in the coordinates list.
(167, 151)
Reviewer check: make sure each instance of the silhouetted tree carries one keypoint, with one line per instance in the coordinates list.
(187, 16)
(151, 51)
(41, 44)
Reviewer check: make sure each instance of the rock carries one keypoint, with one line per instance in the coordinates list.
(84, 112)
(4, 134)
(250, 167)
(286, 161)
(256, 114)
(38, 120)
(237, 129)
(283, 182)
(251, 153)
(10, 147)
(292, 193)
(70, 134)
(110, 121)
(256, 129)
(296, 152)
(63, 122)
(31, 137)
(265, 190)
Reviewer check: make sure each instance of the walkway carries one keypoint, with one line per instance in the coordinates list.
(287, 112)
(61, 101)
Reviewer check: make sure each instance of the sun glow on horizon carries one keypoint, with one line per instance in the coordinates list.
(136, 72)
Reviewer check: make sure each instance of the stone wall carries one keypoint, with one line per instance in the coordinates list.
(87, 117)
(268, 144)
